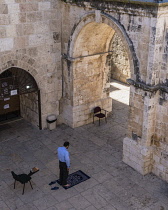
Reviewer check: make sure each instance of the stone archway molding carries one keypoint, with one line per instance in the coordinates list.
(24, 62)
(101, 17)
(29, 65)
(79, 99)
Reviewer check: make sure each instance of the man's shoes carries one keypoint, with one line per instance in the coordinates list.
(67, 185)
(52, 182)
(55, 188)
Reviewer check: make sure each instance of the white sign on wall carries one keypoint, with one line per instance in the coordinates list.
(6, 99)
(6, 106)
(13, 92)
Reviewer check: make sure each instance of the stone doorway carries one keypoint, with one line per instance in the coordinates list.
(19, 97)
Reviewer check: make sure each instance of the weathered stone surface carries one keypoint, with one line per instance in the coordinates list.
(6, 44)
(73, 48)
(4, 19)
(3, 8)
(13, 8)
(28, 29)
(2, 32)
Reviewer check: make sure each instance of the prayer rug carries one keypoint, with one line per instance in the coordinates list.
(75, 178)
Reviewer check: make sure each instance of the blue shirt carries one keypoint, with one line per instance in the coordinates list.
(63, 155)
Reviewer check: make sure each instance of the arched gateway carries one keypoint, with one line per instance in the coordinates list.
(88, 72)
(19, 96)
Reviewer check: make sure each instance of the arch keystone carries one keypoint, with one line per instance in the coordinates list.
(98, 17)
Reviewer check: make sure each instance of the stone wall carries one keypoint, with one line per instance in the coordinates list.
(137, 149)
(145, 147)
(35, 34)
(159, 77)
(159, 140)
(118, 60)
(78, 44)
(155, 123)
(29, 108)
(30, 38)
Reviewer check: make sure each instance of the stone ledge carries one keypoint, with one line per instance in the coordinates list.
(153, 3)
(150, 88)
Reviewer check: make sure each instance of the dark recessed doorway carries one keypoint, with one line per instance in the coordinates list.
(19, 96)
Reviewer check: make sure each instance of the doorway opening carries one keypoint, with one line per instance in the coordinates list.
(19, 97)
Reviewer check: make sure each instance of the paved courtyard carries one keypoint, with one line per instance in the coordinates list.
(96, 150)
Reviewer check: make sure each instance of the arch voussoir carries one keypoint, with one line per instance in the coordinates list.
(22, 61)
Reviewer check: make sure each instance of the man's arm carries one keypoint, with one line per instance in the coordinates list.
(67, 159)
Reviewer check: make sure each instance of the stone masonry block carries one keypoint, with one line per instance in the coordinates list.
(138, 157)
(2, 32)
(22, 17)
(3, 9)
(20, 42)
(4, 20)
(35, 40)
(50, 14)
(10, 1)
(44, 5)
(80, 123)
(146, 152)
(28, 29)
(13, 8)
(156, 159)
(6, 44)
(41, 27)
(28, 7)
(126, 148)
(14, 18)
(164, 162)
(34, 17)
(11, 31)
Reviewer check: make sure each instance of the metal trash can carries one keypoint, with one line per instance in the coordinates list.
(51, 121)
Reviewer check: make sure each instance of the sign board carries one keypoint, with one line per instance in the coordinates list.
(13, 92)
(6, 106)
(6, 99)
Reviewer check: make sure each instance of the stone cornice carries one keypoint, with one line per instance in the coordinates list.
(138, 2)
(150, 88)
(120, 6)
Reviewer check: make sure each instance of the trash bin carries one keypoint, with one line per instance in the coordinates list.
(51, 121)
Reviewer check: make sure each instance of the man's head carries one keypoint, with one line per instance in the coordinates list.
(66, 144)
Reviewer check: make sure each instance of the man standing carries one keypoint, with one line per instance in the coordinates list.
(64, 163)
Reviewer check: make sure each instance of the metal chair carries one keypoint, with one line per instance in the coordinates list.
(97, 112)
(22, 178)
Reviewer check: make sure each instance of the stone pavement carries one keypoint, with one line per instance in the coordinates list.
(96, 150)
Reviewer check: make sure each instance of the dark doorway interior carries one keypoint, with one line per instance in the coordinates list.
(16, 90)
(10, 102)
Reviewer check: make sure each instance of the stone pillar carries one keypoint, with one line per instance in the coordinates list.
(137, 150)
(84, 90)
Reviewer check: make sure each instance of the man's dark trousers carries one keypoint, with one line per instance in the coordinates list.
(63, 173)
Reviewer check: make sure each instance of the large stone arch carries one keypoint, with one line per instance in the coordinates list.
(87, 79)
(107, 19)
(31, 66)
